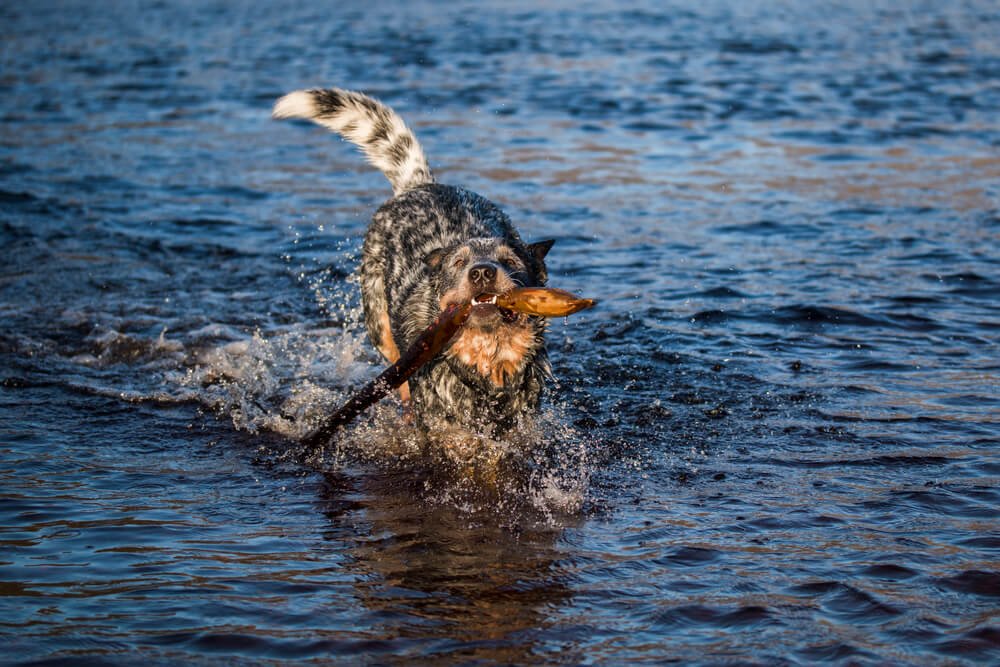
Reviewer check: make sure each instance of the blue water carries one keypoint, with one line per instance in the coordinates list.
(774, 442)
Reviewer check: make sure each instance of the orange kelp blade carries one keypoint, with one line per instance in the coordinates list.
(427, 346)
(543, 301)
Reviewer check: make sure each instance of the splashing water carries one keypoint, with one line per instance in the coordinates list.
(287, 381)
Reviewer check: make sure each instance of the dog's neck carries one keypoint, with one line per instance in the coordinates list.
(497, 357)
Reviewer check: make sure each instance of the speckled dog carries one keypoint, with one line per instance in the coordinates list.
(430, 246)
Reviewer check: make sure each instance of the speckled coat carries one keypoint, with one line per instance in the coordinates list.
(416, 254)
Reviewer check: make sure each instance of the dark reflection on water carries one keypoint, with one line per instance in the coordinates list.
(458, 584)
(775, 441)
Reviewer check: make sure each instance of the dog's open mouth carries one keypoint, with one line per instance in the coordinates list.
(485, 305)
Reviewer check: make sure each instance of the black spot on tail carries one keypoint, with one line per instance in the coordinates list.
(399, 150)
(328, 102)
(381, 130)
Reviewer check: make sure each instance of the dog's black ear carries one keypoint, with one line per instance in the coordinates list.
(434, 257)
(540, 249)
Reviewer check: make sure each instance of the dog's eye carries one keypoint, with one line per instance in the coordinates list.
(510, 260)
(458, 262)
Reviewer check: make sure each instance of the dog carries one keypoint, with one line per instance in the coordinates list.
(431, 246)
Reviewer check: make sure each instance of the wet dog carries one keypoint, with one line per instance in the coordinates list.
(430, 246)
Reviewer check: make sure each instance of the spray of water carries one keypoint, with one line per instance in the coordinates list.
(286, 380)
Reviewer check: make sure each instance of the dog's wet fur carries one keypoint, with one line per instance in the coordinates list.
(431, 246)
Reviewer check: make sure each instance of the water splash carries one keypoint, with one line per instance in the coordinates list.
(287, 380)
(282, 382)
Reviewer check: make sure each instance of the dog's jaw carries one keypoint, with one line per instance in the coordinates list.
(488, 316)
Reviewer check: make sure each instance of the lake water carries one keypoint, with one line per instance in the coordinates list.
(775, 441)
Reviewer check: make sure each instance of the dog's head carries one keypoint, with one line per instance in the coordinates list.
(495, 342)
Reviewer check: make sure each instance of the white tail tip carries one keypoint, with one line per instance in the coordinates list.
(295, 105)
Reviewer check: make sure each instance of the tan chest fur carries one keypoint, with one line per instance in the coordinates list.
(496, 356)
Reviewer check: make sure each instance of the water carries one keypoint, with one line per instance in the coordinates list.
(775, 441)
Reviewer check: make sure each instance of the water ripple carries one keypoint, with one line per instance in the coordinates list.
(772, 443)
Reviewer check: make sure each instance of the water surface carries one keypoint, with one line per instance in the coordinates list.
(774, 442)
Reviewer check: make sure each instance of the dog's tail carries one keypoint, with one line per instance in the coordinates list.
(375, 128)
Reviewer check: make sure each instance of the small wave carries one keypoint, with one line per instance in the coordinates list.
(973, 582)
(689, 557)
(686, 616)
(986, 543)
(979, 645)
(33, 203)
(616, 331)
(837, 652)
(234, 191)
(713, 316)
(840, 156)
(887, 461)
(205, 224)
(18, 197)
(772, 228)
(109, 347)
(813, 315)
(888, 572)
(914, 299)
(652, 126)
(878, 365)
(757, 46)
(939, 501)
(720, 292)
(966, 284)
(845, 602)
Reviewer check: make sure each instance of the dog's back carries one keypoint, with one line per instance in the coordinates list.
(429, 246)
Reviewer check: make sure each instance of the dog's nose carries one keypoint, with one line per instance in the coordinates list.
(482, 274)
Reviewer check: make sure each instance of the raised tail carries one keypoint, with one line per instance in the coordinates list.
(375, 128)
